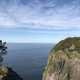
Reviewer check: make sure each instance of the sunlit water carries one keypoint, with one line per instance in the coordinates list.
(27, 59)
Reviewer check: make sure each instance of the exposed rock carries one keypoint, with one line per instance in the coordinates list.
(3, 72)
(8, 74)
(72, 47)
(11, 75)
(64, 61)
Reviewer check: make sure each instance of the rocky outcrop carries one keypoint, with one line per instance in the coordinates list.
(64, 61)
(7, 73)
(11, 75)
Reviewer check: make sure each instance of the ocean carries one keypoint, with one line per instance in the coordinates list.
(27, 59)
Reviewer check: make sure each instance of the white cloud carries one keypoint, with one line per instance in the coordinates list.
(5, 21)
(39, 15)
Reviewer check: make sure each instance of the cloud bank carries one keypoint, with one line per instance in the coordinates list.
(48, 14)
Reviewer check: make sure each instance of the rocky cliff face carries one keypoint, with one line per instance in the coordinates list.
(64, 61)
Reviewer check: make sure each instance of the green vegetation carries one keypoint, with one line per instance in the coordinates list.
(67, 43)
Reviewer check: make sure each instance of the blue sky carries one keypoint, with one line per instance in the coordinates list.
(41, 21)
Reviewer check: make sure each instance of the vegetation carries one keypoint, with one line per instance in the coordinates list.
(67, 43)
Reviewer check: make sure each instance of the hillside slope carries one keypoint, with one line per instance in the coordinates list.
(64, 61)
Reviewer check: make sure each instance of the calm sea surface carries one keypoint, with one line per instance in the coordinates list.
(27, 59)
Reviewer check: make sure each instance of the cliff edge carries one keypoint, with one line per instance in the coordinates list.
(64, 61)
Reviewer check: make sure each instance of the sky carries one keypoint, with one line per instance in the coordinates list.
(39, 21)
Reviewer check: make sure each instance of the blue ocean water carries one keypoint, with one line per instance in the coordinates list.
(27, 59)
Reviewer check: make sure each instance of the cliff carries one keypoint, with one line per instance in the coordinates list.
(64, 61)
